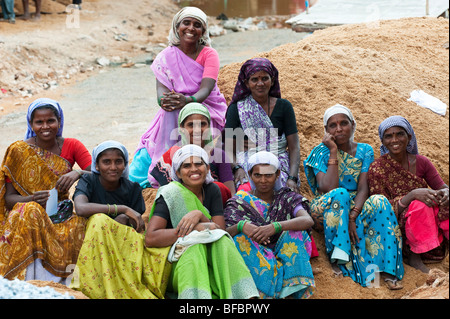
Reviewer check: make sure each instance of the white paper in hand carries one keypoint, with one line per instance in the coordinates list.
(52, 203)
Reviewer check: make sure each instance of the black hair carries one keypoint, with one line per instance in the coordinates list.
(109, 149)
(46, 107)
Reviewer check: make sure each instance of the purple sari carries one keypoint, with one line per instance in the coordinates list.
(180, 73)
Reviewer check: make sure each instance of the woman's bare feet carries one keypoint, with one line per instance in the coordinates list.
(337, 272)
(415, 261)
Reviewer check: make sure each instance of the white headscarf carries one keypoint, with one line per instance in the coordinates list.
(339, 109)
(264, 157)
(189, 12)
(184, 153)
(107, 145)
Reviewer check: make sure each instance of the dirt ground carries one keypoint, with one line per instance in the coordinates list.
(369, 68)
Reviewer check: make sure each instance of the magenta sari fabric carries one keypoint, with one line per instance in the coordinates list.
(182, 74)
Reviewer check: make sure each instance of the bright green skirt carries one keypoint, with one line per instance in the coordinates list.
(211, 271)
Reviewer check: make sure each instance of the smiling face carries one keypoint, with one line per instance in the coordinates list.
(264, 176)
(45, 124)
(110, 164)
(259, 84)
(190, 30)
(195, 126)
(396, 140)
(340, 127)
(193, 171)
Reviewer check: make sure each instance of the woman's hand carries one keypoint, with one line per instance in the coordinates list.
(66, 181)
(240, 176)
(427, 196)
(329, 141)
(206, 226)
(40, 197)
(259, 234)
(352, 232)
(292, 185)
(172, 101)
(442, 197)
(188, 222)
(135, 219)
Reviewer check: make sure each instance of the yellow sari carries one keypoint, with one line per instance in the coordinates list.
(26, 232)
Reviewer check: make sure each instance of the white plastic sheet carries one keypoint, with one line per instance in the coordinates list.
(428, 101)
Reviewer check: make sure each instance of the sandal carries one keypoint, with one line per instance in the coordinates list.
(393, 284)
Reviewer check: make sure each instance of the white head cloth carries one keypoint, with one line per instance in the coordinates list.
(339, 109)
(107, 145)
(189, 12)
(183, 154)
(265, 158)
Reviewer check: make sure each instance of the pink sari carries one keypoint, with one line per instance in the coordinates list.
(423, 227)
(180, 73)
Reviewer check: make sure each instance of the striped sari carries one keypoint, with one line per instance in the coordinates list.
(27, 232)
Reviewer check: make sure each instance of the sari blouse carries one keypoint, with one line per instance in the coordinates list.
(349, 167)
(387, 177)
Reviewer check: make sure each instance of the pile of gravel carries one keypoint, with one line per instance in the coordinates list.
(18, 289)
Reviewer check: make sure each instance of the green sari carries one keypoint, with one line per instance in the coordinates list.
(204, 271)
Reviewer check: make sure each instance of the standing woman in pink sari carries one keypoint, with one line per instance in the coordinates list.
(186, 71)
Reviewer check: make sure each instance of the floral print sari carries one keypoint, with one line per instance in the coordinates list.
(380, 243)
(281, 268)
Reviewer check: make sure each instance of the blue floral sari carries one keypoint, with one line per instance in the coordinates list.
(282, 268)
(380, 244)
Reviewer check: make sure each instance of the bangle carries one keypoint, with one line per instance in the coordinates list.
(193, 99)
(333, 161)
(356, 209)
(240, 225)
(277, 226)
(79, 172)
(401, 204)
(294, 178)
(109, 209)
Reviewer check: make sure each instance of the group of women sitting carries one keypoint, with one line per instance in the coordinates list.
(223, 224)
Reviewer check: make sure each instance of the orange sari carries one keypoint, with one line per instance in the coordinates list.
(26, 231)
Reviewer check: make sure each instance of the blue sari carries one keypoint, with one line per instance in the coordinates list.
(380, 244)
(281, 268)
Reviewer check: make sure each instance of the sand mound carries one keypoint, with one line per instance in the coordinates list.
(370, 68)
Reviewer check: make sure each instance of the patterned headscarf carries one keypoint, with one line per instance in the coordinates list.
(44, 102)
(107, 145)
(189, 12)
(184, 153)
(339, 109)
(264, 157)
(400, 121)
(249, 68)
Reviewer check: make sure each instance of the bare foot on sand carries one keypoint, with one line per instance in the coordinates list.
(415, 261)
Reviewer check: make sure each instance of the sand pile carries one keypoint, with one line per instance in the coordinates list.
(372, 69)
